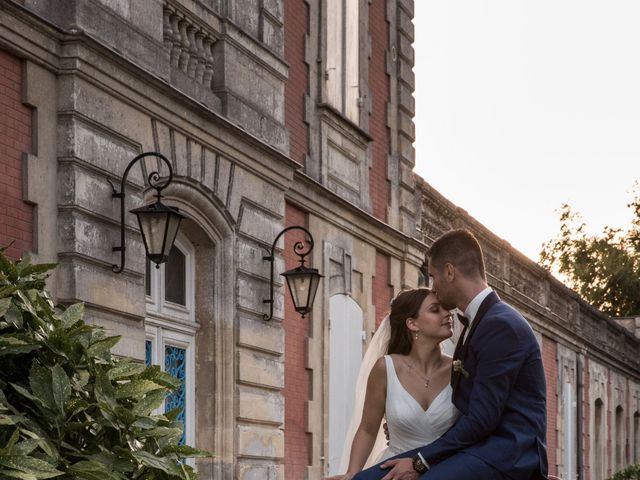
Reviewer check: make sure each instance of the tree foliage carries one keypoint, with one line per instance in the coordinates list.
(68, 408)
(632, 472)
(604, 269)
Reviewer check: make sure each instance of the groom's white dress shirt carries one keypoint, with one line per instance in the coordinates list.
(472, 309)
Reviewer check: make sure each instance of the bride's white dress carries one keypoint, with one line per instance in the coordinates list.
(410, 426)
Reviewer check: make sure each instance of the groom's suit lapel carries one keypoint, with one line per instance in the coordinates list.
(461, 353)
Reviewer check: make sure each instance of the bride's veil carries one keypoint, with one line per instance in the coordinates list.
(376, 349)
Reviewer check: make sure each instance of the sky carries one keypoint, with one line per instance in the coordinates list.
(524, 105)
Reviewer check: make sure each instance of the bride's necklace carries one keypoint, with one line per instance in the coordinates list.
(422, 376)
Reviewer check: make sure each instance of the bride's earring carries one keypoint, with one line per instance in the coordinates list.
(416, 336)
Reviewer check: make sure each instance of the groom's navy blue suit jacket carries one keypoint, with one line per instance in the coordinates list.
(503, 398)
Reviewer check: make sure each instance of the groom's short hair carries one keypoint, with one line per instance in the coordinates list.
(459, 248)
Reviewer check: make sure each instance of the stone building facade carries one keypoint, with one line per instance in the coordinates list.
(273, 113)
(592, 362)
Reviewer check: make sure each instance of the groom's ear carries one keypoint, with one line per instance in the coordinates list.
(449, 272)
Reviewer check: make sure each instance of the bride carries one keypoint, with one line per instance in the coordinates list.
(409, 386)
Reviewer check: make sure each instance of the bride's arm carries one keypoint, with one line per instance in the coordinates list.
(372, 413)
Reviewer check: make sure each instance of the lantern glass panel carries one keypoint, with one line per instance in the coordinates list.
(153, 226)
(299, 287)
(159, 226)
(313, 288)
(172, 230)
(303, 284)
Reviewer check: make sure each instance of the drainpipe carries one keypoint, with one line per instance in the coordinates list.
(580, 420)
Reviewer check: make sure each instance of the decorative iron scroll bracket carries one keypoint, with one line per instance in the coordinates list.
(154, 179)
(298, 248)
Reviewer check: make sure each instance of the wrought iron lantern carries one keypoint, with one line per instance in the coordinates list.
(158, 222)
(302, 281)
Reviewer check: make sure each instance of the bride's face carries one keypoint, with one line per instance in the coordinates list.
(433, 320)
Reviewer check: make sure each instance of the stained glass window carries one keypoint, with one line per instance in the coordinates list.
(148, 353)
(175, 364)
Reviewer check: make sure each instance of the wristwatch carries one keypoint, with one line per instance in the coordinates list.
(418, 466)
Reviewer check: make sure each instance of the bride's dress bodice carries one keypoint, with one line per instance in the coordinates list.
(410, 426)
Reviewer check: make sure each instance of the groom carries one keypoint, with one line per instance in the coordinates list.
(498, 382)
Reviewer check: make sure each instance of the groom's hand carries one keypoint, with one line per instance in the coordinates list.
(401, 469)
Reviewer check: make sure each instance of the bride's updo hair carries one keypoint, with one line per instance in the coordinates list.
(406, 305)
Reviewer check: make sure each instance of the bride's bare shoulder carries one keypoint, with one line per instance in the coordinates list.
(379, 369)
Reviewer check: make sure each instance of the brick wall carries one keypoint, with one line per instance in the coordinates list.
(382, 289)
(296, 376)
(16, 217)
(379, 88)
(550, 361)
(296, 14)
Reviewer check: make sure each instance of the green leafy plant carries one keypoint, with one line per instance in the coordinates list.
(70, 409)
(630, 473)
(604, 269)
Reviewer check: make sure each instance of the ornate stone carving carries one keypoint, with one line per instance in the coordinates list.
(190, 45)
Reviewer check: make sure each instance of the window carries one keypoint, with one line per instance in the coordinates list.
(174, 353)
(599, 436)
(170, 288)
(619, 439)
(343, 57)
(636, 437)
(568, 406)
(170, 327)
(174, 279)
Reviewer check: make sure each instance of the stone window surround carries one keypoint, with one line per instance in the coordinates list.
(208, 230)
(169, 324)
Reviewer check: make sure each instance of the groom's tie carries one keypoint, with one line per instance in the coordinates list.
(465, 324)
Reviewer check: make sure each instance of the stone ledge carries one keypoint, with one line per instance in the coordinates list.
(80, 280)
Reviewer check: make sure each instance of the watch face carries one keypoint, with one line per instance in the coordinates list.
(418, 466)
